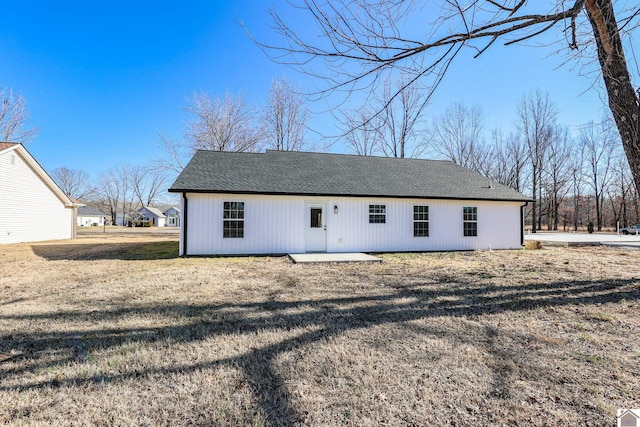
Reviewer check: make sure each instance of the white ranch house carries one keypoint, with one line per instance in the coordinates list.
(173, 216)
(152, 215)
(32, 206)
(88, 217)
(295, 202)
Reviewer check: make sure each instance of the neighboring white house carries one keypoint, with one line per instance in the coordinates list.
(173, 216)
(122, 219)
(294, 202)
(152, 215)
(32, 206)
(88, 217)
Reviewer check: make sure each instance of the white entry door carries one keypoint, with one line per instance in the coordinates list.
(316, 227)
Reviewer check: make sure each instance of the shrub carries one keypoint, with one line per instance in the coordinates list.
(533, 244)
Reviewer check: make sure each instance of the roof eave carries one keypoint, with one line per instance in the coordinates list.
(282, 193)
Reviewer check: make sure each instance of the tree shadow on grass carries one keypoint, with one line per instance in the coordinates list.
(104, 251)
(323, 319)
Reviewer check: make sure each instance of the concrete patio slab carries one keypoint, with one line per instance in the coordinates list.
(337, 257)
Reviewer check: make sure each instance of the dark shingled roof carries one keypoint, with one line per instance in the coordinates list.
(87, 211)
(5, 145)
(300, 173)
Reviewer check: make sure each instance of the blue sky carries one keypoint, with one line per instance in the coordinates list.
(104, 79)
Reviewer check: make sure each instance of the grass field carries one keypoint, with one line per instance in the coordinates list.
(117, 330)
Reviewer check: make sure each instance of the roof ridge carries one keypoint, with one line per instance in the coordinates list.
(352, 155)
(317, 153)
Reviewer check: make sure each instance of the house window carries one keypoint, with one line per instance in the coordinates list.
(316, 218)
(377, 214)
(470, 221)
(421, 221)
(233, 220)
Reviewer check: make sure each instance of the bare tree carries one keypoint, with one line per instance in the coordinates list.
(13, 117)
(285, 117)
(399, 118)
(457, 135)
(509, 160)
(536, 120)
(124, 173)
(598, 143)
(357, 41)
(222, 124)
(146, 183)
(557, 172)
(74, 182)
(576, 168)
(109, 194)
(362, 135)
(174, 155)
(391, 123)
(620, 190)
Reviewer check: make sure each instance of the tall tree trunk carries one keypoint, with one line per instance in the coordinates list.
(540, 194)
(623, 100)
(598, 212)
(556, 209)
(535, 200)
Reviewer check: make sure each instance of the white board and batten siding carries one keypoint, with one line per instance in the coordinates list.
(30, 210)
(278, 225)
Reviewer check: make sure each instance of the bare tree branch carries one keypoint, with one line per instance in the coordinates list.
(285, 117)
(74, 182)
(457, 134)
(13, 118)
(226, 124)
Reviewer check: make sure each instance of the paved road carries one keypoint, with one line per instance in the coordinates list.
(585, 238)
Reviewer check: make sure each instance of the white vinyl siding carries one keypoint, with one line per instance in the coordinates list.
(29, 210)
(276, 225)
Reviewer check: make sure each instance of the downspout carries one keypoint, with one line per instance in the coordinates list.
(522, 222)
(185, 210)
(74, 222)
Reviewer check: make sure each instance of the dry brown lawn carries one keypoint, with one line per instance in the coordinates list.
(117, 330)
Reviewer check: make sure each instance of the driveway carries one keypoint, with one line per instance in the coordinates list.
(571, 239)
(129, 230)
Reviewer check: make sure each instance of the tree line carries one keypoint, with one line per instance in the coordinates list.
(574, 177)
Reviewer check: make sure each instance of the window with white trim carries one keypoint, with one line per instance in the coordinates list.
(233, 220)
(421, 221)
(470, 221)
(377, 214)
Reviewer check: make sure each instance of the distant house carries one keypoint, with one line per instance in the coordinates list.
(123, 219)
(152, 216)
(173, 216)
(32, 206)
(88, 217)
(294, 202)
